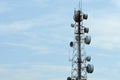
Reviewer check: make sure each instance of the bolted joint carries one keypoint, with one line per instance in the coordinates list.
(79, 60)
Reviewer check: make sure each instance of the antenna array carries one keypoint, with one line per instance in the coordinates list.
(80, 61)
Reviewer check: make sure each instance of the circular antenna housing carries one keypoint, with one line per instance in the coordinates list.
(72, 25)
(85, 16)
(88, 58)
(87, 40)
(77, 16)
(90, 68)
(69, 78)
(71, 44)
(86, 30)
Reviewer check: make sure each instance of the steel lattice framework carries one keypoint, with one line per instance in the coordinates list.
(80, 66)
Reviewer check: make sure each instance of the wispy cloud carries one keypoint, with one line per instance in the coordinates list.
(31, 71)
(42, 21)
(15, 27)
(50, 33)
(103, 55)
(37, 49)
(105, 72)
(105, 31)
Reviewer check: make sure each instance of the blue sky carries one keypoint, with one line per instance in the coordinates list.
(35, 36)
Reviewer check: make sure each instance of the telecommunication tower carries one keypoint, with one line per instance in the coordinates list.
(80, 61)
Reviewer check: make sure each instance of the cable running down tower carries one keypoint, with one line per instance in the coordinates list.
(80, 66)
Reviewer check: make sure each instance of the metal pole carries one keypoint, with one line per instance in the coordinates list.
(79, 50)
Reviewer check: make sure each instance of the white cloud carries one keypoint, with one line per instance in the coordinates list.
(48, 27)
(43, 21)
(16, 26)
(38, 49)
(31, 71)
(104, 72)
(105, 31)
(49, 72)
(103, 55)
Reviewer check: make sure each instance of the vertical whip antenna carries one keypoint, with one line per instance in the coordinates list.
(80, 5)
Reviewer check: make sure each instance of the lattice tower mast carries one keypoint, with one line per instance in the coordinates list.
(80, 66)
